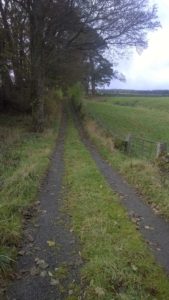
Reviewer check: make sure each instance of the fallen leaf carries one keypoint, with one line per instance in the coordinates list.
(148, 227)
(37, 202)
(43, 274)
(54, 282)
(36, 259)
(70, 292)
(51, 243)
(21, 253)
(30, 238)
(36, 225)
(34, 271)
(50, 274)
(41, 263)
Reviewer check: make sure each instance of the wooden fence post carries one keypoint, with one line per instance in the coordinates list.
(161, 149)
(128, 142)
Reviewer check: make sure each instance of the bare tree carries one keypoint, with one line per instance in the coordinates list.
(38, 36)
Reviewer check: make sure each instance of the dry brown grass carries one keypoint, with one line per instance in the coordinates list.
(97, 132)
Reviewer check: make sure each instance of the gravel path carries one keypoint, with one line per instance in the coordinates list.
(154, 228)
(48, 266)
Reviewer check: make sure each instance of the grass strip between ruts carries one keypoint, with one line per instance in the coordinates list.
(117, 262)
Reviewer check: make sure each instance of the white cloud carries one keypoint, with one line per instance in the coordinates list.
(150, 70)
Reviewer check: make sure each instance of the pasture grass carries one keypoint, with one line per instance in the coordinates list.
(24, 157)
(139, 172)
(160, 103)
(117, 262)
(145, 117)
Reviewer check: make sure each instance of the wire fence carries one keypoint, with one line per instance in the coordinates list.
(133, 145)
(141, 147)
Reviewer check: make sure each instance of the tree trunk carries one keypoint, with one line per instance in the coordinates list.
(37, 65)
(93, 86)
(38, 106)
(92, 76)
(6, 88)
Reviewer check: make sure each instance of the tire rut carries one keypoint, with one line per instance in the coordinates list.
(49, 266)
(154, 229)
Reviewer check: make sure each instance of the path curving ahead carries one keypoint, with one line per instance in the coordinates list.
(50, 257)
(154, 229)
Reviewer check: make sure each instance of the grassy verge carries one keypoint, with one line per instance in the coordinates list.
(118, 264)
(23, 161)
(139, 172)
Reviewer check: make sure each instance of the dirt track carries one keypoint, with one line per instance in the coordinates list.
(154, 229)
(50, 246)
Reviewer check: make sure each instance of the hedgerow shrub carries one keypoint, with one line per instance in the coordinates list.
(52, 101)
(76, 95)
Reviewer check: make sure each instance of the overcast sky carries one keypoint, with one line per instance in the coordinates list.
(150, 70)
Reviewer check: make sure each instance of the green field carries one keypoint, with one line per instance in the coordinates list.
(146, 117)
(161, 103)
